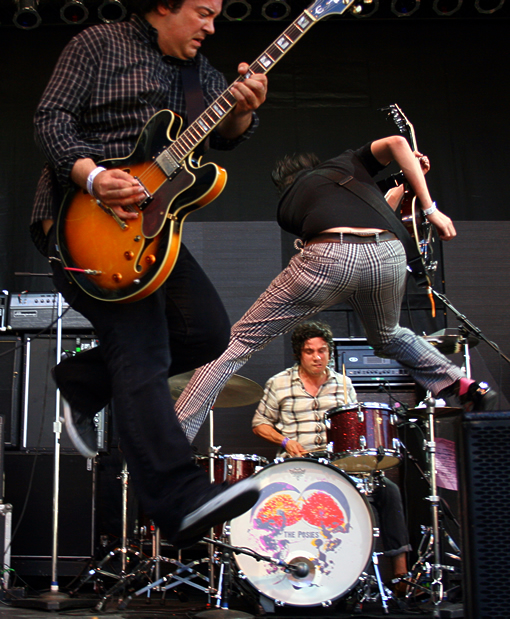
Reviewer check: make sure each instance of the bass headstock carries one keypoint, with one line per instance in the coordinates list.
(402, 122)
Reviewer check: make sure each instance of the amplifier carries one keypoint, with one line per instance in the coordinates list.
(34, 311)
(364, 367)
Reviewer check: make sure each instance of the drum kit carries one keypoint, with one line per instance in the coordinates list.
(309, 541)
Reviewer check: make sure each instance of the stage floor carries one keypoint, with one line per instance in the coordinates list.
(170, 609)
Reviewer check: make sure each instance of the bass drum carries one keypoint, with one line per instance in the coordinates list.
(309, 513)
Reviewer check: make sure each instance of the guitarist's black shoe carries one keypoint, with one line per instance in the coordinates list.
(479, 397)
(81, 430)
(220, 503)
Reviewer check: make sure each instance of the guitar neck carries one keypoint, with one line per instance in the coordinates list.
(187, 142)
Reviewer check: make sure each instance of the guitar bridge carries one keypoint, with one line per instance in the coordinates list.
(148, 196)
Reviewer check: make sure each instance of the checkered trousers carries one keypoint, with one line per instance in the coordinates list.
(370, 277)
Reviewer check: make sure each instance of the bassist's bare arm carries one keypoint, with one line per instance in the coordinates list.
(250, 94)
(394, 195)
(396, 148)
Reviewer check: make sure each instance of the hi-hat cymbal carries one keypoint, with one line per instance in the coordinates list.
(449, 342)
(239, 391)
(439, 411)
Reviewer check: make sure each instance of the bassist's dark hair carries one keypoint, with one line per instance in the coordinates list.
(142, 7)
(285, 170)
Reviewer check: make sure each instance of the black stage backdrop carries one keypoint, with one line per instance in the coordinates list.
(447, 74)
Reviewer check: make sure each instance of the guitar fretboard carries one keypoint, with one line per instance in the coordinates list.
(216, 112)
(187, 142)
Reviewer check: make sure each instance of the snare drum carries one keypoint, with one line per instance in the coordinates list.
(362, 437)
(233, 467)
(311, 514)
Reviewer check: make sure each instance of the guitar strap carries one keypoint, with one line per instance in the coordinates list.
(414, 259)
(194, 98)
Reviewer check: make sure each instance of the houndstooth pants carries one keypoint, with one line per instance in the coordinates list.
(370, 277)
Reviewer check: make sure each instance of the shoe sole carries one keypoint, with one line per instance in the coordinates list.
(223, 507)
(73, 433)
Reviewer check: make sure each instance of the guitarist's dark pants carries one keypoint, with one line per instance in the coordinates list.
(177, 328)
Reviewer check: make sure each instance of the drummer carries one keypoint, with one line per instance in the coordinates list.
(291, 415)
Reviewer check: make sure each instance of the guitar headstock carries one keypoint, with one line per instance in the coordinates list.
(321, 8)
(403, 124)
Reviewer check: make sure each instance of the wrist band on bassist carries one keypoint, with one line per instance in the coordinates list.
(430, 210)
(285, 441)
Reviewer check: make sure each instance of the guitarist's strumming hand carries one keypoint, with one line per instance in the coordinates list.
(114, 188)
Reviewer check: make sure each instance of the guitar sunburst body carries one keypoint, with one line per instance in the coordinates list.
(128, 260)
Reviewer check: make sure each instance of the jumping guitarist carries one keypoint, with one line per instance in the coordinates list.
(108, 83)
(349, 252)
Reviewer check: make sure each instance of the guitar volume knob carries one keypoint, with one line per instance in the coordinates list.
(150, 259)
(129, 255)
(117, 277)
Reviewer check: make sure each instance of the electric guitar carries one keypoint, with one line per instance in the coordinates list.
(417, 224)
(123, 261)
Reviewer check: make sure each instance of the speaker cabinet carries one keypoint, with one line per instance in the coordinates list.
(39, 395)
(29, 488)
(484, 475)
(10, 388)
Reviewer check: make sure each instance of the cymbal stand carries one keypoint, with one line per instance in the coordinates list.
(124, 551)
(430, 544)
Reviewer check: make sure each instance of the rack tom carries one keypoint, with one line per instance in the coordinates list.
(362, 437)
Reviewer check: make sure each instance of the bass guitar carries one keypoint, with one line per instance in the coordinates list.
(123, 261)
(418, 226)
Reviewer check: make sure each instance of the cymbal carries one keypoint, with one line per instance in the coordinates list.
(239, 391)
(450, 343)
(439, 411)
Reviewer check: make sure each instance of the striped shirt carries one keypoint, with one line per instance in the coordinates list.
(108, 82)
(290, 409)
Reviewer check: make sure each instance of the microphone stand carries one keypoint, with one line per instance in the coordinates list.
(227, 551)
(468, 326)
(54, 599)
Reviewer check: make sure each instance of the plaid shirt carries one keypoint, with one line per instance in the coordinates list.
(290, 409)
(109, 81)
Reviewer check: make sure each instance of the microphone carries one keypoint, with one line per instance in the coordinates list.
(299, 570)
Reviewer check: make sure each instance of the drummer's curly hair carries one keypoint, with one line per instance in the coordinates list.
(308, 330)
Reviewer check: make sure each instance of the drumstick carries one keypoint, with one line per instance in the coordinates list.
(345, 381)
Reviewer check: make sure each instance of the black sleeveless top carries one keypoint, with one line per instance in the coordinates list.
(314, 203)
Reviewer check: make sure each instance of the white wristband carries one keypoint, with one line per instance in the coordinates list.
(91, 177)
(430, 210)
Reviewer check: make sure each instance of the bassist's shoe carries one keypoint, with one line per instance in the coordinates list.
(478, 398)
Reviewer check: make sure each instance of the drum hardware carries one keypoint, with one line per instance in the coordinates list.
(148, 568)
(237, 391)
(428, 567)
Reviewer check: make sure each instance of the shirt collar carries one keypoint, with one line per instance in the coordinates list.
(149, 34)
(295, 373)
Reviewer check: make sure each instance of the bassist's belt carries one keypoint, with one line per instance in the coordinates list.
(348, 237)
